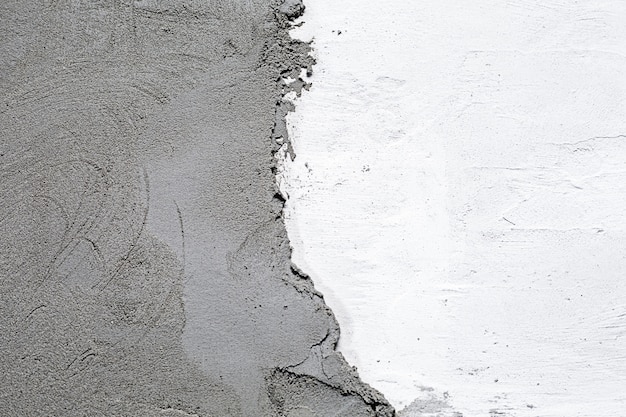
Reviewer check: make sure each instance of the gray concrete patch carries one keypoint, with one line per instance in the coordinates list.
(144, 267)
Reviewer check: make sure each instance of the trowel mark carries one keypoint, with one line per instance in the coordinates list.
(182, 232)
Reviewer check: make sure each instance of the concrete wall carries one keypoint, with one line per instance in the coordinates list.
(144, 266)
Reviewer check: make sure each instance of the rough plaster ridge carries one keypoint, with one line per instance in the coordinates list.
(345, 379)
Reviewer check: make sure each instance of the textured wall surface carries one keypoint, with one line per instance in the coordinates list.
(145, 268)
(459, 197)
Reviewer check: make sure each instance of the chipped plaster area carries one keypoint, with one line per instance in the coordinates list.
(145, 268)
(458, 197)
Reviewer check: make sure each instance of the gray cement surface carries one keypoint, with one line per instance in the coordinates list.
(144, 267)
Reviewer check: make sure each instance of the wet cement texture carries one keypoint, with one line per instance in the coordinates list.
(144, 268)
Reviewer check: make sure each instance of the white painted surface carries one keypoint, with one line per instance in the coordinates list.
(459, 196)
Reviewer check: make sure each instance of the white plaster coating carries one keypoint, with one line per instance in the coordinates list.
(458, 197)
